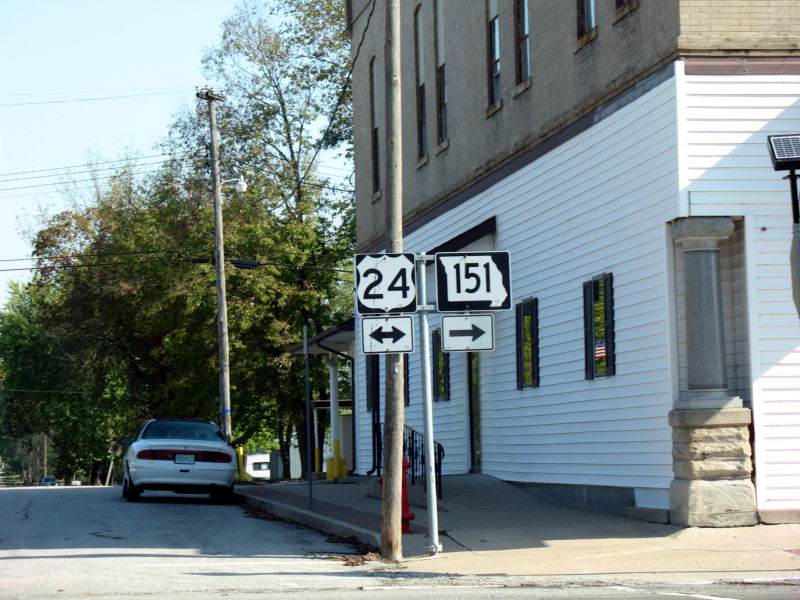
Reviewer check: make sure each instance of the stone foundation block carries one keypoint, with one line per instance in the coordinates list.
(720, 503)
(706, 450)
(710, 434)
(713, 468)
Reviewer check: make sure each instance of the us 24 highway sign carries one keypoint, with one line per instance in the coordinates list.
(386, 283)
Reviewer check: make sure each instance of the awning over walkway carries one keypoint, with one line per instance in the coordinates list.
(337, 338)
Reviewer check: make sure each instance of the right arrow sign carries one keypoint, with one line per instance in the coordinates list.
(467, 333)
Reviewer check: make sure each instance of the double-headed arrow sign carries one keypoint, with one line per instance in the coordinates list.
(467, 333)
(380, 336)
(387, 335)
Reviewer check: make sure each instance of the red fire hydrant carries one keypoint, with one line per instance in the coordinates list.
(407, 516)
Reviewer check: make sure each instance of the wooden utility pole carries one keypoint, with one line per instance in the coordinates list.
(391, 506)
(219, 263)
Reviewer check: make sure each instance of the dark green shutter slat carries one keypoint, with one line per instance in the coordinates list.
(520, 349)
(611, 361)
(588, 335)
(535, 341)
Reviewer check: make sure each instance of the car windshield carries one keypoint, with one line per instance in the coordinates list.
(182, 430)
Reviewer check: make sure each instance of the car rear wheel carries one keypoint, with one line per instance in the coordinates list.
(132, 492)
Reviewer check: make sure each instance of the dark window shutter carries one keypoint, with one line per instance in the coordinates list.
(373, 381)
(588, 327)
(611, 361)
(405, 379)
(520, 349)
(535, 341)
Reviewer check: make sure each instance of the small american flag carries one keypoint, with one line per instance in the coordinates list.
(599, 348)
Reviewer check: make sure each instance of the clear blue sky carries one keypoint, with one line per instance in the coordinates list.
(58, 51)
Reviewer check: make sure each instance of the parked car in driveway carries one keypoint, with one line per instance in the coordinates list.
(179, 455)
(48, 481)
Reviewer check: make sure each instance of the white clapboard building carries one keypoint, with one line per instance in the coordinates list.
(650, 359)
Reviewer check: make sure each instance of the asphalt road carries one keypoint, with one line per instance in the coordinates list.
(81, 542)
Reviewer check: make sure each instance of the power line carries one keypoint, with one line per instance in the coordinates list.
(85, 165)
(343, 89)
(183, 260)
(38, 185)
(71, 173)
(65, 101)
(96, 254)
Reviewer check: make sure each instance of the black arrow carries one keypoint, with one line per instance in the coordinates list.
(380, 336)
(475, 332)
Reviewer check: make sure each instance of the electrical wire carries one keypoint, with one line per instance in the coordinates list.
(87, 165)
(345, 83)
(38, 185)
(66, 101)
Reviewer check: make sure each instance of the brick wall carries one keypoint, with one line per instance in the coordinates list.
(570, 78)
(759, 27)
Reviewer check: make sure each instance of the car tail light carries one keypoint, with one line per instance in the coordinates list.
(199, 455)
(156, 454)
(219, 457)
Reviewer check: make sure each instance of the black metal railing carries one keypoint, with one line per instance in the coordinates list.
(414, 451)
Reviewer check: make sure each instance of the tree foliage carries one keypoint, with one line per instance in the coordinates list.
(120, 311)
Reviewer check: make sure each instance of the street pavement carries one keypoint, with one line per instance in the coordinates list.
(489, 527)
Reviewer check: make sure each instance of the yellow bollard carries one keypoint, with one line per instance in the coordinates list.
(240, 461)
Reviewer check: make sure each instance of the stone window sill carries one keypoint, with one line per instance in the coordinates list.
(422, 161)
(494, 108)
(624, 10)
(586, 39)
(443, 146)
(522, 86)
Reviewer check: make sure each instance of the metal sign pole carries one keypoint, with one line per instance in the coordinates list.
(427, 402)
(309, 428)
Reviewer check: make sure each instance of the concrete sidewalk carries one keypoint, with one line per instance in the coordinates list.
(491, 527)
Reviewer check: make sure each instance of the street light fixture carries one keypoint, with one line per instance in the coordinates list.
(784, 150)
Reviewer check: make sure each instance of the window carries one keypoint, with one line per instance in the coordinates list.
(441, 81)
(376, 166)
(598, 326)
(493, 45)
(441, 369)
(419, 63)
(522, 40)
(586, 17)
(373, 381)
(528, 343)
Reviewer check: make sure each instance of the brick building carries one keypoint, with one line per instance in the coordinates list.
(617, 149)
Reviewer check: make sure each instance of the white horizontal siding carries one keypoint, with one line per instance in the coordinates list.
(564, 220)
(728, 172)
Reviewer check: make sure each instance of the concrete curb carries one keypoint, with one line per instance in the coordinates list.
(311, 519)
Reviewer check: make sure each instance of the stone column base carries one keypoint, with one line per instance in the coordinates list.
(719, 503)
(712, 465)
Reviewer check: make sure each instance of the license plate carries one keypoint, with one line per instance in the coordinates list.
(184, 459)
